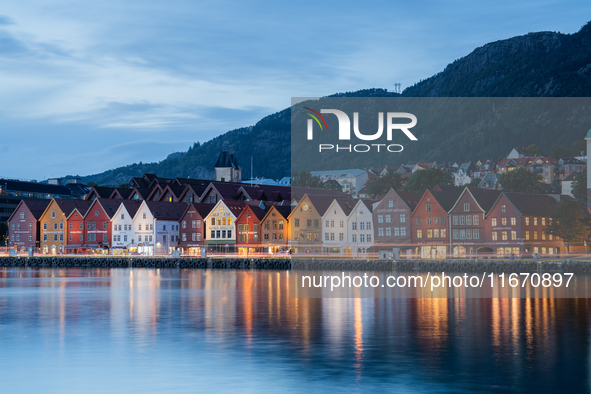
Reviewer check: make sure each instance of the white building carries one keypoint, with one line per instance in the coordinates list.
(334, 226)
(360, 226)
(122, 226)
(221, 228)
(350, 180)
(156, 226)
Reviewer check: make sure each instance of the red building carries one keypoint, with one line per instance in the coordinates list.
(467, 218)
(516, 223)
(97, 223)
(248, 229)
(75, 229)
(23, 224)
(391, 221)
(193, 228)
(430, 225)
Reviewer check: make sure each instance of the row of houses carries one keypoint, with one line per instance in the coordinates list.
(445, 221)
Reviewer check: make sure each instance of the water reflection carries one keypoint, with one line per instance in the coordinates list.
(175, 330)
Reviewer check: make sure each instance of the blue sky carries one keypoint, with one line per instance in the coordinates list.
(86, 87)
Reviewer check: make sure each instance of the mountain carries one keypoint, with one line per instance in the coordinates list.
(544, 64)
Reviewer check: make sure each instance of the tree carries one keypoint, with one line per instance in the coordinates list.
(305, 179)
(579, 186)
(521, 180)
(422, 180)
(474, 182)
(569, 222)
(381, 186)
(91, 184)
(534, 149)
(579, 148)
(557, 152)
(332, 185)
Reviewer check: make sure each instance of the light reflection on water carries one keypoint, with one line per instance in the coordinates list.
(150, 330)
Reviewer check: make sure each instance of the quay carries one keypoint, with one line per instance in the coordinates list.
(448, 265)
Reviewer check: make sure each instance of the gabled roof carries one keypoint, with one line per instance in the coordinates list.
(174, 189)
(411, 199)
(201, 208)
(256, 210)
(162, 210)
(346, 204)
(571, 177)
(131, 206)
(447, 199)
(143, 192)
(36, 207)
(484, 198)
(109, 206)
(531, 204)
(121, 193)
(100, 191)
(67, 206)
(321, 203)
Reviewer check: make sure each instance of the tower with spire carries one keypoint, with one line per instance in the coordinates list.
(227, 168)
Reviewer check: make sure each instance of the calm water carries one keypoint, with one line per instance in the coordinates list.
(142, 330)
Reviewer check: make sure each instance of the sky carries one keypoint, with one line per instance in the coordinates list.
(90, 86)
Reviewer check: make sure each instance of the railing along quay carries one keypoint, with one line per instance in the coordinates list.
(451, 265)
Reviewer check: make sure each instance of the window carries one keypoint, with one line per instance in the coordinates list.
(455, 220)
(476, 233)
(503, 208)
(105, 237)
(81, 238)
(122, 216)
(388, 219)
(22, 215)
(212, 234)
(543, 221)
(70, 237)
(368, 225)
(466, 206)
(513, 221)
(53, 214)
(504, 235)
(105, 226)
(429, 233)
(468, 220)
(309, 223)
(44, 237)
(435, 219)
(332, 236)
(403, 218)
(94, 225)
(30, 237)
(388, 231)
(455, 234)
(44, 226)
(462, 234)
(55, 237)
(390, 203)
(184, 224)
(368, 237)
(55, 226)
(535, 221)
(428, 206)
(543, 235)
(266, 237)
(513, 235)
(380, 231)
(436, 233)
(326, 236)
(361, 237)
(332, 223)
(342, 224)
(475, 220)
(380, 218)
(418, 221)
(30, 226)
(462, 220)
(527, 235)
(341, 236)
(527, 221)
(256, 226)
(419, 233)
(354, 226)
(315, 223)
(397, 231)
(361, 225)
(441, 219)
(504, 221)
(494, 222)
(327, 223)
(296, 223)
(240, 228)
(354, 237)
